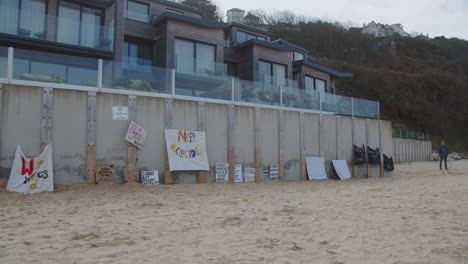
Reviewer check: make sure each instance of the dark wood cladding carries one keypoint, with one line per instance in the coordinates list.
(138, 29)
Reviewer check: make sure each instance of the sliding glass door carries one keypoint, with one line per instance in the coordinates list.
(25, 18)
(271, 73)
(9, 16)
(79, 25)
(195, 57)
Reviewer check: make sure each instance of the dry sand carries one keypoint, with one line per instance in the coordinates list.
(419, 216)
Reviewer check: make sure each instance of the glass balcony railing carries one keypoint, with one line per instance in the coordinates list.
(256, 92)
(89, 33)
(31, 65)
(3, 62)
(117, 75)
(365, 108)
(44, 67)
(190, 65)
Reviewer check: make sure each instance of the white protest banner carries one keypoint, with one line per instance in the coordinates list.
(32, 175)
(342, 169)
(221, 170)
(265, 173)
(186, 150)
(120, 113)
(238, 173)
(149, 177)
(136, 135)
(249, 174)
(316, 168)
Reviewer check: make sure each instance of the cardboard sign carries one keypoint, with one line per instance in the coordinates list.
(186, 150)
(249, 174)
(149, 177)
(238, 173)
(274, 172)
(105, 173)
(32, 175)
(222, 170)
(342, 169)
(119, 113)
(316, 168)
(265, 174)
(136, 135)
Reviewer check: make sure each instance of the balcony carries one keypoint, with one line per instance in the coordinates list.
(21, 25)
(210, 83)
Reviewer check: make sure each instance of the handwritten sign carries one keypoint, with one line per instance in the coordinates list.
(274, 172)
(249, 174)
(238, 173)
(186, 150)
(149, 177)
(120, 113)
(265, 174)
(136, 135)
(105, 173)
(221, 170)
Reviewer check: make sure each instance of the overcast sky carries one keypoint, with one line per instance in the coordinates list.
(433, 17)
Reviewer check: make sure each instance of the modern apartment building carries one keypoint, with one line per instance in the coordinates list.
(139, 39)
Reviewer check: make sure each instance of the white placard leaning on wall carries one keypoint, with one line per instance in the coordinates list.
(149, 177)
(136, 135)
(342, 169)
(238, 173)
(186, 150)
(32, 175)
(316, 168)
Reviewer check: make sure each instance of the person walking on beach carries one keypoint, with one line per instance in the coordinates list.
(443, 154)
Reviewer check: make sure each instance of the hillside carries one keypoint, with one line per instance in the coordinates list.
(421, 83)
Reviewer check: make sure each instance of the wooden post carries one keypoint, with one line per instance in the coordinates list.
(303, 148)
(91, 140)
(369, 172)
(1, 100)
(47, 102)
(231, 144)
(257, 151)
(201, 127)
(167, 124)
(281, 144)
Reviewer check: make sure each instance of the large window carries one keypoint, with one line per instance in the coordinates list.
(194, 57)
(242, 36)
(25, 18)
(271, 73)
(137, 53)
(79, 25)
(314, 85)
(137, 11)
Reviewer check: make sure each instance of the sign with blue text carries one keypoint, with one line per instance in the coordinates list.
(186, 150)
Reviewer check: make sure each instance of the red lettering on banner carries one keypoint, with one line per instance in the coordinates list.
(25, 170)
(183, 135)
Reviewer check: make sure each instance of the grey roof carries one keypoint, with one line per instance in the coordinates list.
(325, 69)
(206, 23)
(285, 42)
(263, 43)
(236, 9)
(181, 6)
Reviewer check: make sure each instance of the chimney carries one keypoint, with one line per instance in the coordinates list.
(235, 15)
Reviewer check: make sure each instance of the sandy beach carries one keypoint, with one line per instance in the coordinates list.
(419, 216)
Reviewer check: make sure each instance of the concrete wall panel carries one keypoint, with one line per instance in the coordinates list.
(269, 136)
(292, 154)
(360, 140)
(69, 126)
(345, 140)
(111, 147)
(329, 142)
(387, 143)
(150, 116)
(373, 142)
(216, 136)
(311, 137)
(21, 124)
(244, 136)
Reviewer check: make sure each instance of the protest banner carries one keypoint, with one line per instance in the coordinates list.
(149, 177)
(120, 113)
(32, 175)
(186, 150)
(238, 173)
(136, 135)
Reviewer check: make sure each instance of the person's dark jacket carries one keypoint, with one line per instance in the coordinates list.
(443, 151)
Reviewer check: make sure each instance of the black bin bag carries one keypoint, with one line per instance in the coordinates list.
(388, 163)
(373, 155)
(359, 155)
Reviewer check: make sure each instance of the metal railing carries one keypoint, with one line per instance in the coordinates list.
(34, 68)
